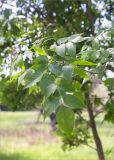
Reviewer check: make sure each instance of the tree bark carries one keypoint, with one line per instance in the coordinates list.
(94, 129)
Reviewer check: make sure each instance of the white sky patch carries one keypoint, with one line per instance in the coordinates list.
(100, 5)
(106, 23)
(10, 5)
(28, 54)
(110, 74)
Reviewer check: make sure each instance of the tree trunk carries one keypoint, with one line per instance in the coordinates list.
(94, 129)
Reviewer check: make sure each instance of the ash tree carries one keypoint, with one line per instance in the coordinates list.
(66, 70)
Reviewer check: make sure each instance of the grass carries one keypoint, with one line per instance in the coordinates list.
(22, 139)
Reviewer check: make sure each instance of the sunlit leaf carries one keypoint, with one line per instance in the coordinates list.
(39, 50)
(84, 63)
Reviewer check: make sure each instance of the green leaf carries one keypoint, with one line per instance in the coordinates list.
(39, 50)
(65, 86)
(77, 85)
(80, 96)
(47, 85)
(50, 106)
(84, 63)
(109, 107)
(81, 72)
(71, 49)
(60, 50)
(73, 101)
(41, 59)
(55, 69)
(94, 55)
(15, 30)
(67, 72)
(65, 120)
(27, 73)
(110, 83)
(36, 76)
(95, 44)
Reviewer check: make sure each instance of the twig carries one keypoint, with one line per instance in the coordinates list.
(83, 118)
(91, 147)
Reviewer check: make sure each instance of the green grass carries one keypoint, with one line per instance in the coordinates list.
(22, 139)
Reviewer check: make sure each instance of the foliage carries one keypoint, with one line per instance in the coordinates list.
(70, 66)
(22, 22)
(65, 69)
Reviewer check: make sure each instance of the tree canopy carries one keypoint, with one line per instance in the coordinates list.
(66, 70)
(24, 21)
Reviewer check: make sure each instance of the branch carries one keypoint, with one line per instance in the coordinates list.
(91, 147)
(83, 119)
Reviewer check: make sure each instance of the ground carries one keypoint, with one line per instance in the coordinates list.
(22, 139)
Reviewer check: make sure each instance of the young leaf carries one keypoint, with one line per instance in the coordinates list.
(77, 85)
(65, 120)
(81, 72)
(39, 50)
(84, 63)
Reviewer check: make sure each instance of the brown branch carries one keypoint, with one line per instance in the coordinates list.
(83, 119)
(91, 147)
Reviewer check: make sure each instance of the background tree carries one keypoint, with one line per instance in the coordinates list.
(23, 21)
(14, 99)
